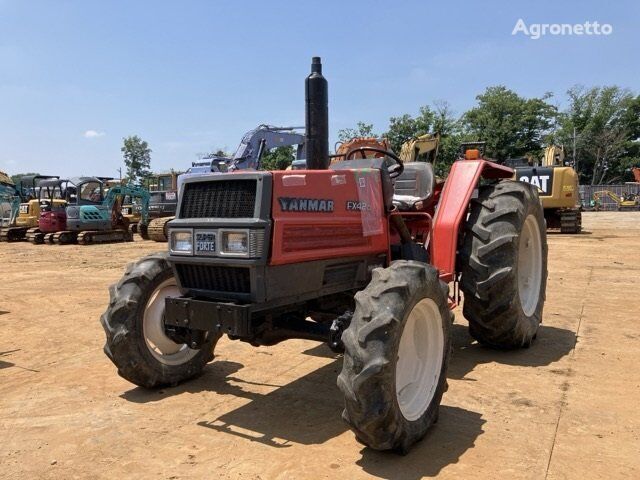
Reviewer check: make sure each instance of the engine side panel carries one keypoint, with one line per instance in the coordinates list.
(322, 214)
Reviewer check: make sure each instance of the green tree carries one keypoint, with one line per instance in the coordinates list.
(439, 119)
(16, 178)
(512, 126)
(137, 158)
(406, 127)
(278, 158)
(631, 119)
(605, 123)
(214, 153)
(362, 130)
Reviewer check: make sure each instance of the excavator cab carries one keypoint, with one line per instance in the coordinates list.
(86, 210)
(53, 217)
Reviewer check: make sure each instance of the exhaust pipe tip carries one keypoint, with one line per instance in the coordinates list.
(317, 117)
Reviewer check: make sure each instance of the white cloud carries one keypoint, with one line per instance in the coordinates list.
(93, 134)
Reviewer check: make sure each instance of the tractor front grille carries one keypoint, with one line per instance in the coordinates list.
(219, 199)
(215, 278)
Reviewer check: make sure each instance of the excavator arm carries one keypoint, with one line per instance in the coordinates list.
(422, 145)
(118, 192)
(9, 204)
(261, 139)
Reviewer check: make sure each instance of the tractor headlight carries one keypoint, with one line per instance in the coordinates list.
(181, 242)
(234, 242)
(247, 243)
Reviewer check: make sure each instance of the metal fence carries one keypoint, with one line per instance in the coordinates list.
(606, 203)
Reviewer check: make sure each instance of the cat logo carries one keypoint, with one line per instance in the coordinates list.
(542, 178)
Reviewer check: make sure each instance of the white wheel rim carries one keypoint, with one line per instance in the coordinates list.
(419, 359)
(529, 265)
(162, 348)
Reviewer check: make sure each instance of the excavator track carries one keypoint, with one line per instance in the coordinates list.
(571, 221)
(157, 229)
(12, 234)
(65, 237)
(48, 238)
(143, 231)
(35, 236)
(93, 237)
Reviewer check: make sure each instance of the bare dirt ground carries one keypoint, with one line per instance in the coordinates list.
(565, 408)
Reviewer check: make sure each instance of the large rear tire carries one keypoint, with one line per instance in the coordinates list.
(397, 351)
(504, 265)
(133, 323)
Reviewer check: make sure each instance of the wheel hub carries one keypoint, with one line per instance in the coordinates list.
(529, 265)
(419, 359)
(159, 344)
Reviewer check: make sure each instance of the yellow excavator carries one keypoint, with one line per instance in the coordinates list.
(25, 225)
(629, 201)
(557, 183)
(421, 148)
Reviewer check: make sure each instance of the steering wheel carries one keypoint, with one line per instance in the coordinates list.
(394, 170)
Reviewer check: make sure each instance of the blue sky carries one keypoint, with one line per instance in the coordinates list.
(191, 76)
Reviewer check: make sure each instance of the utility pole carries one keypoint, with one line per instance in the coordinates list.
(120, 171)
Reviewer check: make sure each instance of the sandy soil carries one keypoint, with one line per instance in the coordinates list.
(565, 408)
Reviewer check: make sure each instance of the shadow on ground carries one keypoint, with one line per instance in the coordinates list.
(4, 364)
(551, 345)
(558, 233)
(308, 410)
(455, 433)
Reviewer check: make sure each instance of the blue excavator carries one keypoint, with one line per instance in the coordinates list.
(91, 215)
(248, 156)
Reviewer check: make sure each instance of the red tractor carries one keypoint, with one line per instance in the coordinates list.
(366, 256)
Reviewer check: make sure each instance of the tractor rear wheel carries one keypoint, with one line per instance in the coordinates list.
(503, 262)
(134, 326)
(396, 356)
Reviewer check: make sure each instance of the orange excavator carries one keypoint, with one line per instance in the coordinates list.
(362, 143)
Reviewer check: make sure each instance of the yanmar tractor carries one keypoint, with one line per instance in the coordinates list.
(332, 255)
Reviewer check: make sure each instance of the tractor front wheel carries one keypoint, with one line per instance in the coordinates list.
(134, 326)
(503, 262)
(396, 356)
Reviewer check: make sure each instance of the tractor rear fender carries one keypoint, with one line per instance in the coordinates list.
(453, 206)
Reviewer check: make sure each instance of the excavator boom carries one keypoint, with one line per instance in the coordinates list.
(415, 148)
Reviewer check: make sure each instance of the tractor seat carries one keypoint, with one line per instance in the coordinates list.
(416, 184)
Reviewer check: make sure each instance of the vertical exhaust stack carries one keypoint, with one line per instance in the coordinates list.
(317, 118)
